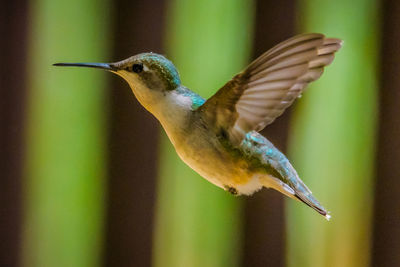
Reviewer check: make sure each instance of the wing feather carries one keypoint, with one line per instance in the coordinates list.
(258, 95)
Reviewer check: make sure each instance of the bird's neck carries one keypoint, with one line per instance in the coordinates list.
(174, 113)
(172, 108)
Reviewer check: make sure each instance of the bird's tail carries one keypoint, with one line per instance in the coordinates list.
(299, 192)
(312, 202)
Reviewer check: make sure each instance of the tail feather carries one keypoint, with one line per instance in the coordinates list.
(305, 195)
(314, 204)
(300, 193)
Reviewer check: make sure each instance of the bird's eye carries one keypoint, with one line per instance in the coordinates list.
(137, 68)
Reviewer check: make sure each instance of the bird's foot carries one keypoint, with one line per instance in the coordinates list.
(231, 190)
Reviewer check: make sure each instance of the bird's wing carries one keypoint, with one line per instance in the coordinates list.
(270, 84)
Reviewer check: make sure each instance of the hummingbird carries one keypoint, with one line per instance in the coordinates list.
(219, 137)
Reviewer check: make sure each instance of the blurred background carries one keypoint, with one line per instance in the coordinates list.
(88, 177)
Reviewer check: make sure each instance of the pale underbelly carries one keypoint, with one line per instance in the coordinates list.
(220, 168)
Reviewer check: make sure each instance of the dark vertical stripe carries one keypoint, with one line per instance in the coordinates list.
(133, 141)
(386, 242)
(264, 240)
(13, 24)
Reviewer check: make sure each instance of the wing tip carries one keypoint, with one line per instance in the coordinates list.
(334, 41)
(316, 35)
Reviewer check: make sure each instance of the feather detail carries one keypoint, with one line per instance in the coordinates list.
(258, 95)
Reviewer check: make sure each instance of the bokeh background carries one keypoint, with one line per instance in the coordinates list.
(88, 178)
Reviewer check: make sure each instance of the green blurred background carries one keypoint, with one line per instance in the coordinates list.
(88, 178)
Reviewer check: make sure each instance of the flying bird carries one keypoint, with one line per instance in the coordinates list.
(219, 137)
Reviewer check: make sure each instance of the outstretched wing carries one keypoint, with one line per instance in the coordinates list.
(270, 84)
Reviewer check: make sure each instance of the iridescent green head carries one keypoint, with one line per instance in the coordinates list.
(151, 76)
(150, 69)
(153, 70)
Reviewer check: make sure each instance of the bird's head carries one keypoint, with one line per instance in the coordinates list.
(151, 76)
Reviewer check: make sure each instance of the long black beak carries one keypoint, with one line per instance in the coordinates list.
(104, 66)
